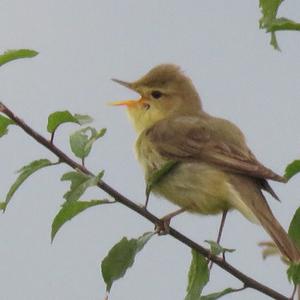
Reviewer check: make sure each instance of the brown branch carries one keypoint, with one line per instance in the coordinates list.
(247, 281)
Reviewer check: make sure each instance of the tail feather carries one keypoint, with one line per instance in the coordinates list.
(250, 193)
(279, 236)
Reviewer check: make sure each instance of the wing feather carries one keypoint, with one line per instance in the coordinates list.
(211, 140)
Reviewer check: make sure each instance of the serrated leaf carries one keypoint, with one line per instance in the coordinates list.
(59, 117)
(217, 249)
(271, 23)
(25, 172)
(81, 141)
(79, 184)
(4, 123)
(121, 257)
(217, 295)
(294, 228)
(198, 276)
(10, 55)
(69, 210)
(292, 169)
(158, 175)
(293, 273)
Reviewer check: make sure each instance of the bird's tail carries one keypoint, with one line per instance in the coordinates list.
(278, 235)
(254, 199)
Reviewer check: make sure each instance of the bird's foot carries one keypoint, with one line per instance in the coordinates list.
(163, 226)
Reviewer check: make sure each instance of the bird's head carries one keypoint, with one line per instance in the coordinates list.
(164, 91)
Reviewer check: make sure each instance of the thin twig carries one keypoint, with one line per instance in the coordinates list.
(248, 281)
(52, 137)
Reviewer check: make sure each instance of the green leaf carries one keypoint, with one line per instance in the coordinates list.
(4, 123)
(79, 184)
(158, 175)
(121, 257)
(95, 136)
(284, 24)
(10, 55)
(198, 276)
(78, 140)
(294, 228)
(59, 117)
(69, 210)
(292, 169)
(271, 23)
(25, 172)
(81, 143)
(269, 11)
(217, 249)
(217, 295)
(293, 273)
(83, 119)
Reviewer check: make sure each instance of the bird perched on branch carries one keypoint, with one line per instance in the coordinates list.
(215, 171)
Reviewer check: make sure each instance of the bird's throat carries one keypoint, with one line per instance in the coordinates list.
(143, 118)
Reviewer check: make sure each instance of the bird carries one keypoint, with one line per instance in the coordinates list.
(214, 170)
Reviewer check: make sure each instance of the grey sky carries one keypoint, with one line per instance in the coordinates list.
(82, 45)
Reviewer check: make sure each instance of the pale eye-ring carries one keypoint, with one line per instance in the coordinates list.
(156, 94)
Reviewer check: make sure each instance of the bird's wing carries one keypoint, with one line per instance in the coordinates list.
(211, 140)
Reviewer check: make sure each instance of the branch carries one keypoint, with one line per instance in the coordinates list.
(247, 281)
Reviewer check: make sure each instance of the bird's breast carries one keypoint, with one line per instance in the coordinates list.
(197, 186)
(148, 156)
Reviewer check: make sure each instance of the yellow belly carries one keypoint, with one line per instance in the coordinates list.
(197, 187)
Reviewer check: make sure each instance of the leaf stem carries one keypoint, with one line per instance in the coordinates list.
(52, 137)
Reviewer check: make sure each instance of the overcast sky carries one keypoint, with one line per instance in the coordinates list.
(82, 45)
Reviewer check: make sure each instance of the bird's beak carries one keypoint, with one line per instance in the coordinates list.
(124, 83)
(126, 102)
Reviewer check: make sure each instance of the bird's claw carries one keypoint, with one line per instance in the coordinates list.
(163, 226)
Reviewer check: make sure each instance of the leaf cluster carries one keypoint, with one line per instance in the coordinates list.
(271, 23)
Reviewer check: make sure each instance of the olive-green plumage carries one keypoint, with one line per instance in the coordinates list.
(216, 169)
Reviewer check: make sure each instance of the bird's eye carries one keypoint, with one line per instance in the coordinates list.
(156, 94)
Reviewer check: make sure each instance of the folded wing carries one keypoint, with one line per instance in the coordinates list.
(212, 140)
